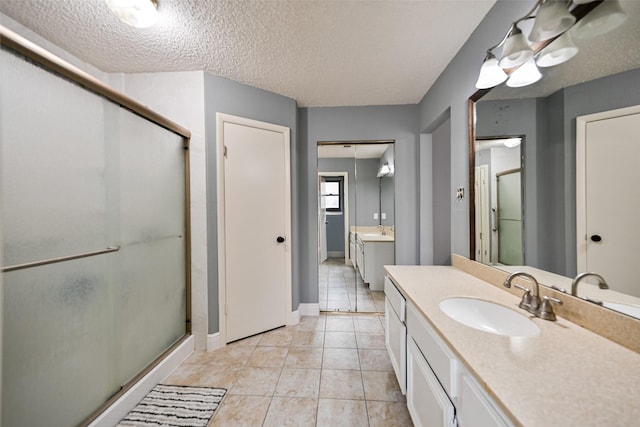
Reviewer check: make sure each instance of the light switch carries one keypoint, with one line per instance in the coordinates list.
(375, 215)
(384, 215)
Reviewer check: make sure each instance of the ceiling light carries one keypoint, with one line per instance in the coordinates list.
(137, 13)
(384, 170)
(516, 50)
(490, 73)
(552, 19)
(561, 50)
(525, 75)
(511, 142)
(606, 17)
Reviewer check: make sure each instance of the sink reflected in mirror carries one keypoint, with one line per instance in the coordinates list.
(629, 310)
(489, 317)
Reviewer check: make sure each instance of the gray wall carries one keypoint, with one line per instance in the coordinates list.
(358, 123)
(226, 96)
(449, 95)
(441, 195)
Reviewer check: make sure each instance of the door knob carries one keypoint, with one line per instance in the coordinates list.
(280, 239)
(596, 238)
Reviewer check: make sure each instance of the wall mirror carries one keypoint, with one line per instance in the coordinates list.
(355, 223)
(548, 170)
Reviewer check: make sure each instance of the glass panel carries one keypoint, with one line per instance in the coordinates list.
(510, 250)
(68, 139)
(152, 227)
(59, 342)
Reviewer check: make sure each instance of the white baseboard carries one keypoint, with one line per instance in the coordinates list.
(309, 309)
(130, 399)
(213, 342)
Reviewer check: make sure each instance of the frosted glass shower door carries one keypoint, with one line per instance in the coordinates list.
(94, 246)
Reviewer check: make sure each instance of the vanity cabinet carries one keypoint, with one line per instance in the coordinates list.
(352, 249)
(396, 331)
(372, 256)
(440, 390)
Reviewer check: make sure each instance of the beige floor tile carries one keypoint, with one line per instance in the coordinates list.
(340, 358)
(342, 413)
(308, 339)
(388, 414)
(256, 381)
(298, 383)
(341, 384)
(205, 376)
(291, 412)
(370, 341)
(300, 357)
(381, 386)
(226, 356)
(374, 360)
(370, 325)
(247, 411)
(248, 342)
(339, 324)
(268, 357)
(339, 340)
(312, 323)
(281, 337)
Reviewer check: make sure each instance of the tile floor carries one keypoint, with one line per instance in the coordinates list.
(340, 287)
(329, 370)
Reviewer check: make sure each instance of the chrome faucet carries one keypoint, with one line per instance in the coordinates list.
(541, 308)
(574, 285)
(530, 302)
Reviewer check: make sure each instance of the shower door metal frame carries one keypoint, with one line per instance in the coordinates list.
(53, 63)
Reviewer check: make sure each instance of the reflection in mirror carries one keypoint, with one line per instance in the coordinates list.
(603, 77)
(355, 223)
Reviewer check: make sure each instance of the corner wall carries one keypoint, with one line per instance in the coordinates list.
(229, 97)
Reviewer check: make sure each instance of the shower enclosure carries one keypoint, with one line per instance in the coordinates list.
(95, 239)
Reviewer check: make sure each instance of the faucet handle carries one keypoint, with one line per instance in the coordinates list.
(525, 303)
(545, 311)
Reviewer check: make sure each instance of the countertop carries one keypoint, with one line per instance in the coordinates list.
(565, 376)
(373, 237)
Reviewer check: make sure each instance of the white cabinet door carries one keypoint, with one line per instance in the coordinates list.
(428, 404)
(474, 406)
(396, 343)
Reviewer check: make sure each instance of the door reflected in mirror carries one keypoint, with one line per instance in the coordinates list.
(356, 213)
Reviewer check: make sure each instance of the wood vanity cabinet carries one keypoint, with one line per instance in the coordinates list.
(371, 257)
(396, 331)
(440, 390)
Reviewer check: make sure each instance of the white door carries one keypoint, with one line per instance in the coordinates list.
(256, 219)
(609, 199)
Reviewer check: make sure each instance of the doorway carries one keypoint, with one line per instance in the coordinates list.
(254, 226)
(355, 223)
(608, 198)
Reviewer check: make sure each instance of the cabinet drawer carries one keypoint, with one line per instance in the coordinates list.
(427, 402)
(396, 300)
(439, 356)
(396, 343)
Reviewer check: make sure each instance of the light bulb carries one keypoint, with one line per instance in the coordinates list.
(137, 13)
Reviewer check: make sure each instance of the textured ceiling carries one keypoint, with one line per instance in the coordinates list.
(318, 52)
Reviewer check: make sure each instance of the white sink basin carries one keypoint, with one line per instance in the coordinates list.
(489, 317)
(629, 310)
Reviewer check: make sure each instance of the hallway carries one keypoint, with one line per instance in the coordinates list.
(329, 370)
(338, 292)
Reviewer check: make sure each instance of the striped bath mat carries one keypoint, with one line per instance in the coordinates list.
(168, 405)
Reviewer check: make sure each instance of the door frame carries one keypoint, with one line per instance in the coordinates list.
(581, 177)
(221, 119)
(345, 210)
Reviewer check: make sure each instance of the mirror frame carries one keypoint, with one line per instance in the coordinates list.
(580, 11)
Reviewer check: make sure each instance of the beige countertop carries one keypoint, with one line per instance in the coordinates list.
(565, 376)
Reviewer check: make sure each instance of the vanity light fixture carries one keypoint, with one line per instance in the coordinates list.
(604, 18)
(549, 39)
(553, 18)
(491, 74)
(560, 50)
(511, 142)
(137, 13)
(524, 75)
(516, 50)
(384, 170)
